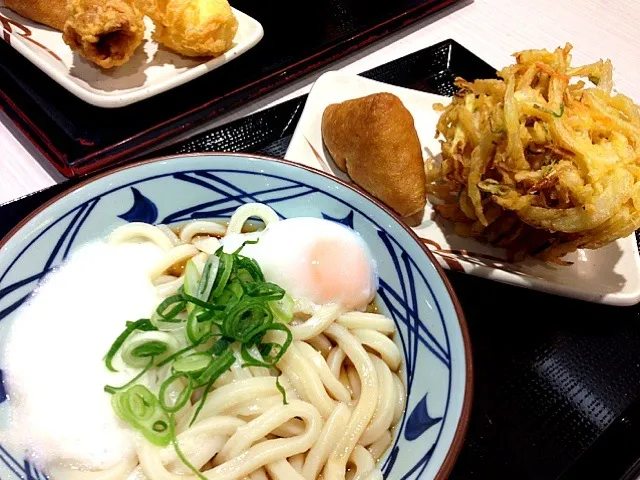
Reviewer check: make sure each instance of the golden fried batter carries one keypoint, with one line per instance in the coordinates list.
(192, 27)
(540, 162)
(374, 140)
(106, 32)
(49, 12)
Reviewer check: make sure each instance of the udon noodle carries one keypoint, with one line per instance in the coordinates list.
(344, 392)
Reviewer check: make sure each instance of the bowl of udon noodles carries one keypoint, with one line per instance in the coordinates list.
(226, 317)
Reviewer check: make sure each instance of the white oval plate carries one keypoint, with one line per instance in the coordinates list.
(610, 275)
(152, 69)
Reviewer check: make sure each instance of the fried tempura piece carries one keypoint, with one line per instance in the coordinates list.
(374, 140)
(543, 161)
(52, 13)
(192, 27)
(106, 32)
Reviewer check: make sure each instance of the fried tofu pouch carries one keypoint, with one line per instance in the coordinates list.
(52, 13)
(373, 139)
(193, 28)
(105, 32)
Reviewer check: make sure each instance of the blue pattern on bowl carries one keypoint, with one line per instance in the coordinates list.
(411, 290)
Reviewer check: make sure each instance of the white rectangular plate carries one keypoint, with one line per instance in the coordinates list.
(150, 71)
(609, 275)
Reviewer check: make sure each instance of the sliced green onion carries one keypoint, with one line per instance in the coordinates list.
(558, 115)
(140, 408)
(149, 349)
(283, 309)
(268, 360)
(110, 389)
(191, 281)
(160, 426)
(209, 274)
(169, 314)
(251, 267)
(195, 328)
(236, 290)
(224, 272)
(220, 346)
(142, 324)
(184, 350)
(281, 390)
(265, 291)
(193, 364)
(210, 375)
(265, 348)
(176, 447)
(546, 110)
(167, 326)
(183, 396)
(171, 307)
(216, 368)
(138, 348)
(195, 301)
(246, 242)
(246, 319)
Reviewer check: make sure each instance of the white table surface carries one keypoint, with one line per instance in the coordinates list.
(492, 29)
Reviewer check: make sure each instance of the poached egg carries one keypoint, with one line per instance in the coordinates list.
(318, 260)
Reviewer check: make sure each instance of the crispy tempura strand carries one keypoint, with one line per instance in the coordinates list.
(563, 170)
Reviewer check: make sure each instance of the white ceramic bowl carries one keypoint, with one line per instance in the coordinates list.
(413, 290)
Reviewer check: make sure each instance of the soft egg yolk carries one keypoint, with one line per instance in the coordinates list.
(339, 273)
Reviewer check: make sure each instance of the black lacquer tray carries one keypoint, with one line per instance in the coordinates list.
(557, 381)
(300, 37)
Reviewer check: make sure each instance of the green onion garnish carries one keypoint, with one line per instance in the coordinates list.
(224, 273)
(141, 346)
(281, 390)
(142, 325)
(198, 325)
(209, 274)
(183, 396)
(268, 360)
(546, 110)
(141, 409)
(110, 389)
(283, 309)
(193, 364)
(220, 346)
(176, 447)
(192, 333)
(209, 376)
(177, 304)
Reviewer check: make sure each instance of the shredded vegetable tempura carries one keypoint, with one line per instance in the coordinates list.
(538, 163)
